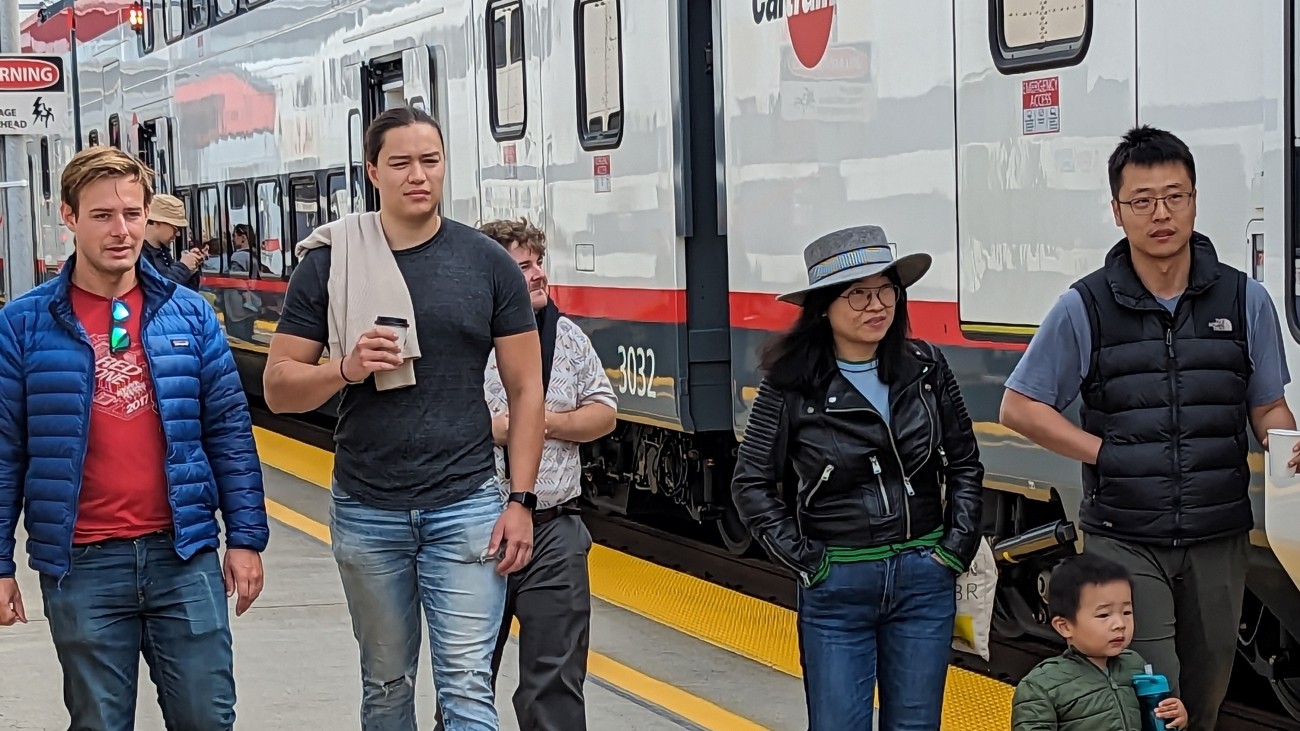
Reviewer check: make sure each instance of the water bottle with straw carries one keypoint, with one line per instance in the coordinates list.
(1152, 690)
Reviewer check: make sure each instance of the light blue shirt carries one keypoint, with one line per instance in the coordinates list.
(866, 378)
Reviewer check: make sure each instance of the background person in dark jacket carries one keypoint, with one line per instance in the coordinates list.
(120, 482)
(1090, 686)
(1174, 354)
(876, 431)
(166, 220)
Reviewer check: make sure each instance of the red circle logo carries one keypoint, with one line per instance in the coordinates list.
(810, 33)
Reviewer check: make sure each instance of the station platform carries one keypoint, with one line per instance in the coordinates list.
(668, 651)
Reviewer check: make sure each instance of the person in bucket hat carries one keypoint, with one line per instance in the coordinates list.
(166, 219)
(876, 430)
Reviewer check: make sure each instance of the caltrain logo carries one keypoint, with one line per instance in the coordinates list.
(27, 74)
(808, 21)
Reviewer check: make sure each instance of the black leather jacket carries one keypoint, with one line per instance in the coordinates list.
(859, 485)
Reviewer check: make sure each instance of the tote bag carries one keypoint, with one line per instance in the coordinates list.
(976, 590)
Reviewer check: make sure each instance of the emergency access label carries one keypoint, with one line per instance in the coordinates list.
(1040, 105)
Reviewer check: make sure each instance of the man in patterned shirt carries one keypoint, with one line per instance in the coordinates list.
(551, 596)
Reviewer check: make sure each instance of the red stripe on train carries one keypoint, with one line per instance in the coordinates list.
(666, 306)
(936, 322)
(260, 285)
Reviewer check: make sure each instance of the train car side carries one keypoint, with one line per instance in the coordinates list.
(679, 171)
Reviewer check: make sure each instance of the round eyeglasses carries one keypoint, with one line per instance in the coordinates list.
(860, 297)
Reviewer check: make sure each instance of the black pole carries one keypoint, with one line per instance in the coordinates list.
(76, 86)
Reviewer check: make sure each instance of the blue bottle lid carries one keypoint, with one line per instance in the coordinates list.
(1148, 683)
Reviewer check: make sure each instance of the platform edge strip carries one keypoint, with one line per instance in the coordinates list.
(290, 455)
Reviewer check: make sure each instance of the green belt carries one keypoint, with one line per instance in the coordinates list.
(841, 554)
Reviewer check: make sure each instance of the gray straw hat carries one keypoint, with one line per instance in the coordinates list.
(850, 254)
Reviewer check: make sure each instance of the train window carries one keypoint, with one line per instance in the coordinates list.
(145, 34)
(270, 227)
(239, 218)
(197, 17)
(155, 152)
(174, 20)
(306, 208)
(187, 236)
(115, 131)
(45, 168)
(1037, 34)
(507, 86)
(336, 187)
(92, 139)
(210, 225)
(222, 9)
(600, 74)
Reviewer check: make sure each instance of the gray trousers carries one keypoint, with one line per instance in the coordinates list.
(1186, 610)
(551, 598)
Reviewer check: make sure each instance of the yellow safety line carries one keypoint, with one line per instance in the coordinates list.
(298, 521)
(755, 629)
(670, 697)
(290, 455)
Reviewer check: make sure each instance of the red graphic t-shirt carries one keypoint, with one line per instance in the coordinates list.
(124, 479)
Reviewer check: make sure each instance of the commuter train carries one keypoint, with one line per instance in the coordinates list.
(680, 175)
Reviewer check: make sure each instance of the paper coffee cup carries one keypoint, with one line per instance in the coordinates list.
(1281, 448)
(398, 325)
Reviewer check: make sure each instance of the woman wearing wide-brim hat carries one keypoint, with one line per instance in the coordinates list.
(887, 510)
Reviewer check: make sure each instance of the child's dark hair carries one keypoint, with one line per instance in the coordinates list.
(1146, 146)
(1070, 576)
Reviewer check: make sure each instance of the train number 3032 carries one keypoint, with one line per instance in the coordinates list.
(638, 370)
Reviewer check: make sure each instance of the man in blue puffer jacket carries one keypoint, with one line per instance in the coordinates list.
(125, 429)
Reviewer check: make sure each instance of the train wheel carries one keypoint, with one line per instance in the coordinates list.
(1288, 694)
(735, 536)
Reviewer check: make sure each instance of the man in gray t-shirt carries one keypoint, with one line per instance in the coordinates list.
(1177, 358)
(418, 518)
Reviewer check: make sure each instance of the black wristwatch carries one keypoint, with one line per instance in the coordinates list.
(526, 499)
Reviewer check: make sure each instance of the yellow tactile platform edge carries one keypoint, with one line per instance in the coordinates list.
(755, 629)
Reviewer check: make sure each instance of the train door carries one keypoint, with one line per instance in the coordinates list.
(632, 193)
(1045, 88)
(510, 155)
(408, 77)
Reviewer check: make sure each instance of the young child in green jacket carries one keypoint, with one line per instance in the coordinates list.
(1090, 686)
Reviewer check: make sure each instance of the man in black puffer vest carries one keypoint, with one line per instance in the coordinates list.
(1175, 355)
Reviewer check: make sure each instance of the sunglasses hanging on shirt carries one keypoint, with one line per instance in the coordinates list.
(119, 340)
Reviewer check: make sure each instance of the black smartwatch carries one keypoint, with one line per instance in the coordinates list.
(526, 499)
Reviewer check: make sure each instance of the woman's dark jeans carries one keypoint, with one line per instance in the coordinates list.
(887, 622)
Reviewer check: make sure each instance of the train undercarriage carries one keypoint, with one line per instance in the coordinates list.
(637, 468)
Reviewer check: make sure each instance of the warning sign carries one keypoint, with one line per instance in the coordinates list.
(33, 96)
(600, 171)
(1041, 105)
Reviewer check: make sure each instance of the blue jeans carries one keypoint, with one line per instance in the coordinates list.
(124, 597)
(394, 561)
(887, 622)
